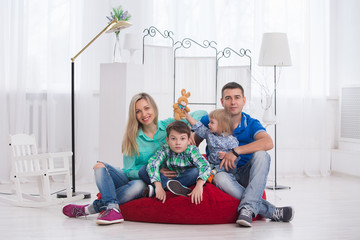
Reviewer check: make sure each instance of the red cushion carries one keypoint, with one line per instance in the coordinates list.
(216, 207)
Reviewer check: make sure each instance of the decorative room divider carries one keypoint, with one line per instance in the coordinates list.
(213, 58)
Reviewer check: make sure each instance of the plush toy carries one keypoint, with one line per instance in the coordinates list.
(181, 105)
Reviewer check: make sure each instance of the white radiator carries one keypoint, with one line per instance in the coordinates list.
(36, 116)
(350, 114)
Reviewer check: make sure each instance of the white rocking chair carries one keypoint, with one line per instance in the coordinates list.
(26, 163)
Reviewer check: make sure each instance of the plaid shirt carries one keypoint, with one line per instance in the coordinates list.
(178, 162)
(215, 143)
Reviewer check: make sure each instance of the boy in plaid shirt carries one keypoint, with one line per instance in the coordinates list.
(176, 155)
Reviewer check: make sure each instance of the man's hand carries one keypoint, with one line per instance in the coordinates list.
(167, 173)
(228, 161)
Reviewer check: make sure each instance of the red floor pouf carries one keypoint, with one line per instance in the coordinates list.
(217, 207)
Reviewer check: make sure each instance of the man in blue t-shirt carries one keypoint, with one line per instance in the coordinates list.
(248, 182)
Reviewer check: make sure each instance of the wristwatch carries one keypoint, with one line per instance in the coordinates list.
(234, 152)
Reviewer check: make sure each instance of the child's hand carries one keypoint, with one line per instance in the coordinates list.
(221, 154)
(189, 118)
(186, 113)
(197, 193)
(160, 192)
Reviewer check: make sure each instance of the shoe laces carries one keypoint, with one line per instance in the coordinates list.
(107, 211)
(246, 212)
(78, 212)
(278, 214)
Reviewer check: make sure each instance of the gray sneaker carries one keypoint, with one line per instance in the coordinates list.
(177, 188)
(245, 218)
(283, 214)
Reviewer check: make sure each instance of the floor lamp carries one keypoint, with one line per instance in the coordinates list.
(275, 52)
(113, 26)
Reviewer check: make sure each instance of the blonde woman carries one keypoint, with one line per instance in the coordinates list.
(144, 135)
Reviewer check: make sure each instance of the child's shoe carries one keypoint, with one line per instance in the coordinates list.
(74, 211)
(110, 216)
(177, 188)
(148, 191)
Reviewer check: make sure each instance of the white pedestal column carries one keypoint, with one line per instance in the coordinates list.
(119, 82)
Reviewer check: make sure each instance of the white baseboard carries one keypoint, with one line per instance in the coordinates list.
(345, 161)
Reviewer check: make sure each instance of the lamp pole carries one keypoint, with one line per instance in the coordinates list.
(74, 193)
(275, 187)
(73, 125)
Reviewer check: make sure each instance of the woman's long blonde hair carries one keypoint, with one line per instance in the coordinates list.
(129, 145)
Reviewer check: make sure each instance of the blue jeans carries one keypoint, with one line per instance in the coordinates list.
(248, 183)
(187, 178)
(115, 187)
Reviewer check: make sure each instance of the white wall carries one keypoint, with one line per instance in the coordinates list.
(345, 49)
(345, 70)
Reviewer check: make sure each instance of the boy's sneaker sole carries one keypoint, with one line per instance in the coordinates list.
(177, 188)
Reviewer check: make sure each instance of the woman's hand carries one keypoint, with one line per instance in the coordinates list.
(197, 193)
(160, 192)
(167, 173)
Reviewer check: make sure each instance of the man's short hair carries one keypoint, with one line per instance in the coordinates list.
(179, 127)
(232, 85)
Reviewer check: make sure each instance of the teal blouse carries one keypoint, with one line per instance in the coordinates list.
(148, 146)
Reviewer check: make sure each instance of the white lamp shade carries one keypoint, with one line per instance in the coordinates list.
(274, 50)
(132, 41)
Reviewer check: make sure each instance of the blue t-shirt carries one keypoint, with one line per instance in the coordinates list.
(245, 133)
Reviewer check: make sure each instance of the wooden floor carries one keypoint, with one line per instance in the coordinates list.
(326, 208)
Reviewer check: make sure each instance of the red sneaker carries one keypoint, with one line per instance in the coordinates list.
(110, 216)
(74, 211)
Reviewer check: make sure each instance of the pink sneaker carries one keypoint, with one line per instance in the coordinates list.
(110, 216)
(74, 211)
